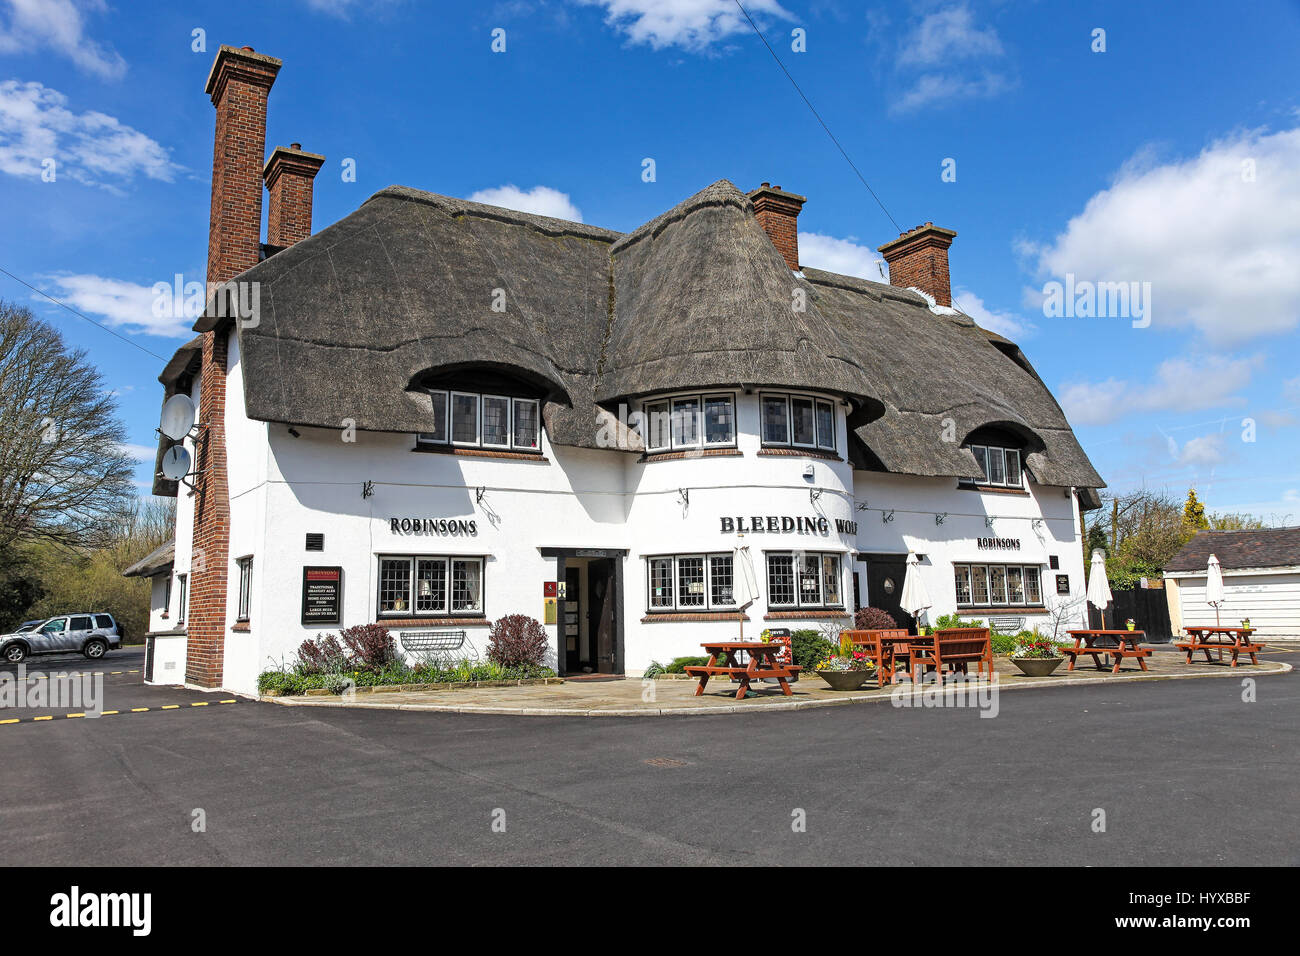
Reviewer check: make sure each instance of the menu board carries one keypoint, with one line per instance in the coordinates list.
(322, 595)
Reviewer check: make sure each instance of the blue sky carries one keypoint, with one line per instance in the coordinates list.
(1171, 158)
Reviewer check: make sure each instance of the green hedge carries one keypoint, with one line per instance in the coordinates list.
(289, 684)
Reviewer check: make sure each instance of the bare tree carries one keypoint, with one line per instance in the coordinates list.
(64, 476)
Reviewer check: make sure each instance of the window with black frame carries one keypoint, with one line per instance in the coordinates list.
(797, 421)
(480, 420)
(426, 585)
(690, 582)
(999, 457)
(998, 585)
(809, 579)
(688, 422)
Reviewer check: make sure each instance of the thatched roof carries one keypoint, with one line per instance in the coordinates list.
(156, 561)
(1255, 548)
(354, 316)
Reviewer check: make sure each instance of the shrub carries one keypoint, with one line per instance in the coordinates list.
(518, 640)
(370, 646)
(322, 654)
(1003, 643)
(873, 619)
(678, 665)
(654, 670)
(809, 648)
(280, 682)
(953, 620)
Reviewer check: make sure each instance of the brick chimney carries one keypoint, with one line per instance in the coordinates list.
(238, 83)
(289, 174)
(777, 211)
(919, 259)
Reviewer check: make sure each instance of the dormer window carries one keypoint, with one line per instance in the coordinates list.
(798, 421)
(1000, 465)
(475, 420)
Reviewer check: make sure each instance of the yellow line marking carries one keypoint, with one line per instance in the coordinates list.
(199, 703)
(231, 701)
(12, 720)
(42, 718)
(117, 672)
(74, 715)
(138, 710)
(171, 706)
(107, 712)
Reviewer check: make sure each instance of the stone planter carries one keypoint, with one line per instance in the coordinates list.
(1037, 666)
(844, 680)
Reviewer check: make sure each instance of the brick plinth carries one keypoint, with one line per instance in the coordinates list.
(777, 212)
(919, 259)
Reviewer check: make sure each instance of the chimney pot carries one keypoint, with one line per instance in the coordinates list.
(919, 259)
(777, 212)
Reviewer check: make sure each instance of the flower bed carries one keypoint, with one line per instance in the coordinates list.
(365, 657)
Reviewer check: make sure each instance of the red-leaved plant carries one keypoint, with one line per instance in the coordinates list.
(321, 655)
(370, 645)
(874, 619)
(518, 640)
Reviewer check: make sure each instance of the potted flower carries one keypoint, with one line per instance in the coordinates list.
(1036, 656)
(846, 668)
(1130, 624)
(1245, 622)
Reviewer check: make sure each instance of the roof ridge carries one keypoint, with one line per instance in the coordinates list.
(455, 206)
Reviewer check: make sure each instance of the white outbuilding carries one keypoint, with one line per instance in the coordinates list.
(1261, 581)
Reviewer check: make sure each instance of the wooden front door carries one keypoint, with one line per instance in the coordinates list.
(600, 613)
(885, 588)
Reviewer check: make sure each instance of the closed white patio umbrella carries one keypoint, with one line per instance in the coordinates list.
(744, 582)
(915, 597)
(1214, 595)
(1098, 586)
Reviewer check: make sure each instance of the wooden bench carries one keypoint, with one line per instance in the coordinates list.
(879, 647)
(1239, 642)
(1116, 644)
(762, 663)
(957, 647)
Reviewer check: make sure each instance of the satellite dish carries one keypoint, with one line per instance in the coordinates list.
(177, 417)
(176, 462)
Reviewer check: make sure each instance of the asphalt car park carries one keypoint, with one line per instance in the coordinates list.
(255, 782)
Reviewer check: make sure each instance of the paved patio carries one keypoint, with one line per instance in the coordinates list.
(639, 698)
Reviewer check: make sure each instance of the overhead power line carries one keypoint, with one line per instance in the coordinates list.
(64, 305)
(807, 101)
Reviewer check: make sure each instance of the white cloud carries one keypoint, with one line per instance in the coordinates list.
(842, 256)
(36, 125)
(1180, 385)
(1219, 248)
(57, 25)
(691, 24)
(540, 200)
(947, 58)
(1003, 323)
(1291, 389)
(948, 35)
(1204, 451)
(122, 304)
(139, 453)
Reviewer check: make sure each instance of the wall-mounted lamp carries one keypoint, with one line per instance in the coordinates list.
(367, 489)
(814, 494)
(988, 522)
(938, 519)
(887, 516)
(294, 432)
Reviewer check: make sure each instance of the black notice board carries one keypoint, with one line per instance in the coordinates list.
(322, 595)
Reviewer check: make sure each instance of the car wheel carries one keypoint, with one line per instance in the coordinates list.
(94, 649)
(15, 653)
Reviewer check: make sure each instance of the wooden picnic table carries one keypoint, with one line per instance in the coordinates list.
(1116, 644)
(762, 663)
(1219, 638)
